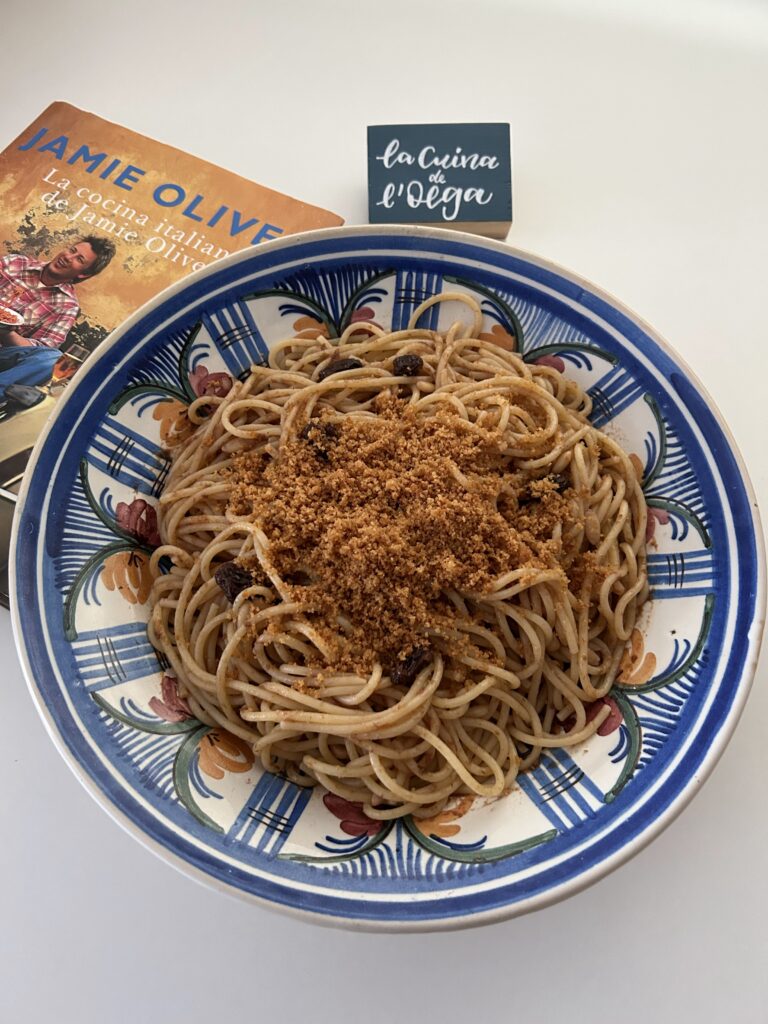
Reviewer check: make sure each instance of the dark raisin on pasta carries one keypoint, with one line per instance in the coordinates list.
(232, 579)
(298, 578)
(533, 493)
(561, 482)
(406, 669)
(407, 366)
(339, 367)
(320, 437)
(525, 498)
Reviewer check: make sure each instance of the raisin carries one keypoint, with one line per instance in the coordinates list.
(233, 579)
(406, 669)
(319, 436)
(298, 578)
(326, 431)
(528, 497)
(407, 366)
(339, 367)
(561, 481)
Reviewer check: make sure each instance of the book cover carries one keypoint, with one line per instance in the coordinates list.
(95, 219)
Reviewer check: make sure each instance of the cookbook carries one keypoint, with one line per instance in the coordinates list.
(95, 219)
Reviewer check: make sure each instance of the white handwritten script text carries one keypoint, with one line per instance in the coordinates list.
(436, 193)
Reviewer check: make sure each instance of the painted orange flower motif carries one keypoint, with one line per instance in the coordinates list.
(219, 752)
(636, 667)
(500, 336)
(310, 327)
(175, 425)
(128, 573)
(444, 824)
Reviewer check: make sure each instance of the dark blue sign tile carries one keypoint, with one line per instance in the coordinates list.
(455, 175)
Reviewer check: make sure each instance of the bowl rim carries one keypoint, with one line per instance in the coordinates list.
(553, 894)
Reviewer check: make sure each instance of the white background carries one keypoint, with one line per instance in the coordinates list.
(640, 161)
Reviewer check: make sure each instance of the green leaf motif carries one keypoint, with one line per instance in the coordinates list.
(502, 306)
(158, 727)
(633, 728)
(181, 767)
(70, 603)
(482, 856)
(309, 858)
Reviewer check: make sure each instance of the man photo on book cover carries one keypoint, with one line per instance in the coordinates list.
(44, 295)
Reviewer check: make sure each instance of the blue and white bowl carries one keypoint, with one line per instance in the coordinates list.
(192, 794)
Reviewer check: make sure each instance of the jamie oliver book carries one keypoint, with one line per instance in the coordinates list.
(95, 219)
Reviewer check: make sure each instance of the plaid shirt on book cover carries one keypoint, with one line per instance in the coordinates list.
(49, 311)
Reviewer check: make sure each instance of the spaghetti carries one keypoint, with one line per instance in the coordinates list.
(401, 564)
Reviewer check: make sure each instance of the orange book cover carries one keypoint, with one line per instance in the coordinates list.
(95, 219)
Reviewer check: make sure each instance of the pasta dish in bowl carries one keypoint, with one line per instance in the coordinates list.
(388, 576)
(403, 564)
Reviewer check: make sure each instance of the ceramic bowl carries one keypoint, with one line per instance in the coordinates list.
(193, 794)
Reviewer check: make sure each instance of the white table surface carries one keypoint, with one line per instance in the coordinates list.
(640, 161)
